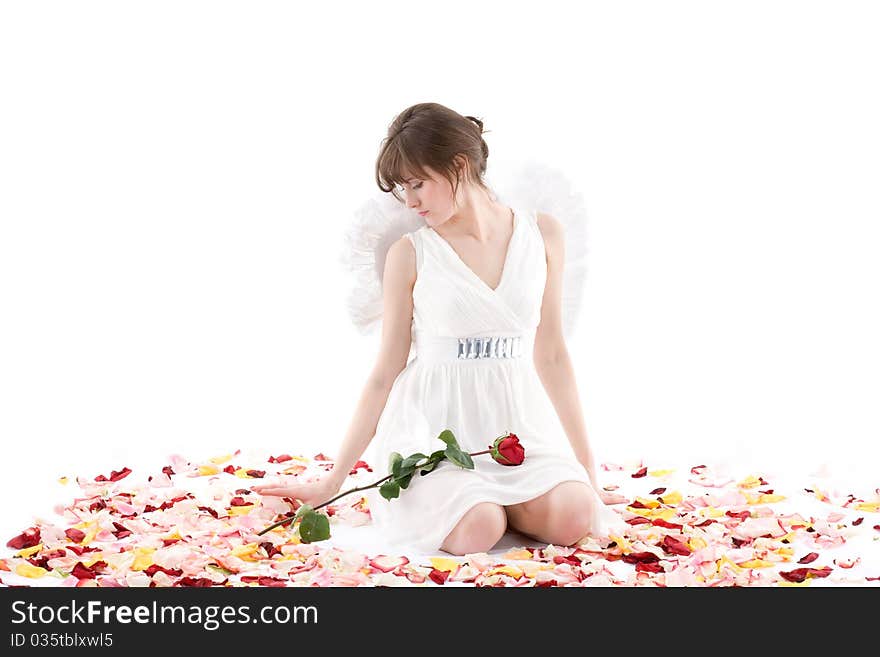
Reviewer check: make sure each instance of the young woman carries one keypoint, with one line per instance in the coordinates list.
(477, 292)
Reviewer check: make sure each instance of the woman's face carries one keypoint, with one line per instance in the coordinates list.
(432, 195)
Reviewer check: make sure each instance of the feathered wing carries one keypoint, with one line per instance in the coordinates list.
(376, 225)
(382, 220)
(535, 186)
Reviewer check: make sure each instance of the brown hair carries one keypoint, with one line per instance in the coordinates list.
(432, 135)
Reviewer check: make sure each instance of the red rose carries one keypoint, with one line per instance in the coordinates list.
(507, 450)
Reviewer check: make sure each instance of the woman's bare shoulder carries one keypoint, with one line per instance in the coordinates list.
(400, 264)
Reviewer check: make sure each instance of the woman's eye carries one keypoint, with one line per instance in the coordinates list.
(417, 186)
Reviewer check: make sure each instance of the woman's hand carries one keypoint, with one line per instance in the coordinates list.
(610, 498)
(313, 493)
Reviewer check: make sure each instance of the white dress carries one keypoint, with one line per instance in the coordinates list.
(479, 389)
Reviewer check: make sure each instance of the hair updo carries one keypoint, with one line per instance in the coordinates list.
(431, 135)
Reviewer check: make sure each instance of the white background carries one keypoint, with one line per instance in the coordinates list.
(176, 178)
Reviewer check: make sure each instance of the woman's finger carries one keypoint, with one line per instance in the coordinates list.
(276, 490)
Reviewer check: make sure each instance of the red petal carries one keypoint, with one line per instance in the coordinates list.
(270, 548)
(659, 522)
(320, 457)
(359, 465)
(194, 581)
(230, 469)
(574, 561)
(154, 568)
(643, 567)
(641, 473)
(238, 501)
(800, 574)
(264, 580)
(858, 521)
(167, 470)
(640, 557)
(259, 474)
(28, 538)
(438, 576)
(810, 558)
(81, 572)
(658, 491)
(115, 475)
(638, 520)
(674, 546)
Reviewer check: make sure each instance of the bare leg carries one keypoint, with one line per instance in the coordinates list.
(478, 531)
(561, 516)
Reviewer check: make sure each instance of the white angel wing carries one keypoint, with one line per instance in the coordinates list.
(535, 186)
(382, 220)
(377, 224)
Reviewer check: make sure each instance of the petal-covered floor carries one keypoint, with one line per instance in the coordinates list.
(195, 523)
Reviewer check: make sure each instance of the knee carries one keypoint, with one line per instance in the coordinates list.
(478, 530)
(571, 519)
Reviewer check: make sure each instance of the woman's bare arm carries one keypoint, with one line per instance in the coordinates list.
(398, 279)
(552, 361)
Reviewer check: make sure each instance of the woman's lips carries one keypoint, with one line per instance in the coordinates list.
(422, 214)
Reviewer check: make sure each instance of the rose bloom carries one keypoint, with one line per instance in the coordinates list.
(507, 450)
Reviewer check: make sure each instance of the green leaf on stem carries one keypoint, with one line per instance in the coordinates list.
(394, 462)
(408, 466)
(460, 458)
(314, 527)
(448, 437)
(390, 489)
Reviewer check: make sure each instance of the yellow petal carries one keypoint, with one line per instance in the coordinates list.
(711, 512)
(671, 499)
(726, 560)
(63, 480)
(806, 582)
(697, 543)
(294, 469)
(220, 459)
(26, 569)
(240, 510)
(756, 563)
(531, 568)
(767, 498)
(27, 552)
(91, 530)
(245, 551)
(873, 507)
(750, 482)
(651, 504)
(660, 473)
(622, 543)
(143, 558)
(517, 555)
(206, 470)
(506, 570)
(443, 564)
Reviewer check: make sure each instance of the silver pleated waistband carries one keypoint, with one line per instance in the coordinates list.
(482, 348)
